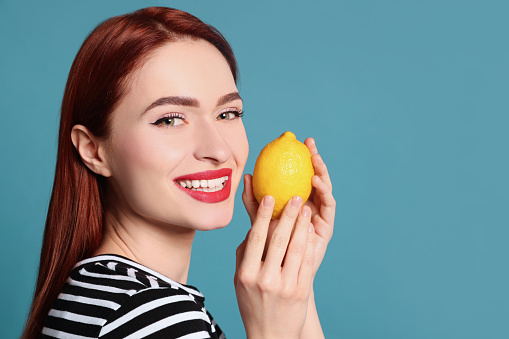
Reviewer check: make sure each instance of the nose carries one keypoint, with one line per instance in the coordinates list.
(211, 144)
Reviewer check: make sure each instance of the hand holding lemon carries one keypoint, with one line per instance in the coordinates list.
(282, 170)
(278, 260)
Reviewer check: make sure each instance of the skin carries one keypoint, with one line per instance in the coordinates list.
(148, 218)
(291, 280)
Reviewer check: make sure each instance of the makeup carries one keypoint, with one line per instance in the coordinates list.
(208, 186)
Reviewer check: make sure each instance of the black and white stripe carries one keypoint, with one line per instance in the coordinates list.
(110, 296)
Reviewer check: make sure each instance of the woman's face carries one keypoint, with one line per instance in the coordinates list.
(178, 127)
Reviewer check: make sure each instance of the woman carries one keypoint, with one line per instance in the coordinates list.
(151, 149)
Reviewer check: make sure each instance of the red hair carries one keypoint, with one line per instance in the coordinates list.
(97, 81)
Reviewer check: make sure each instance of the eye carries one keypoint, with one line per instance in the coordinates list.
(230, 115)
(171, 120)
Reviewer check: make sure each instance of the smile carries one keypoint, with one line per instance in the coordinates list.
(203, 185)
(208, 186)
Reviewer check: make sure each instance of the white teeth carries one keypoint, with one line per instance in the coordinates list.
(212, 185)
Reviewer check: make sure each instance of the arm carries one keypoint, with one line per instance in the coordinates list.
(312, 328)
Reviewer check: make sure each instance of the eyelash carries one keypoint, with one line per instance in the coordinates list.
(159, 121)
(237, 113)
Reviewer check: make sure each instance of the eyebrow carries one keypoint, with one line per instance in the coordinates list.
(191, 102)
(228, 98)
(174, 100)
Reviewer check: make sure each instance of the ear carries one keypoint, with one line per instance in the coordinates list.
(91, 150)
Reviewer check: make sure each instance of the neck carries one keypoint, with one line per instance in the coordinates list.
(164, 248)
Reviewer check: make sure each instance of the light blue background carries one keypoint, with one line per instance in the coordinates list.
(408, 102)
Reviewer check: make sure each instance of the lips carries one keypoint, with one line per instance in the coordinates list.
(208, 186)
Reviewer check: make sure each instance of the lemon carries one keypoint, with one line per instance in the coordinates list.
(283, 169)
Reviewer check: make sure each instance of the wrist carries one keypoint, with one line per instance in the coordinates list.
(312, 327)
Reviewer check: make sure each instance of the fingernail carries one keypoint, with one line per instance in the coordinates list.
(310, 228)
(268, 200)
(306, 211)
(296, 201)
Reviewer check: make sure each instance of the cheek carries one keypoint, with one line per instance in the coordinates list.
(133, 152)
(239, 146)
(237, 141)
(142, 157)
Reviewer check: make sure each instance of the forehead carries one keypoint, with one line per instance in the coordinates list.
(192, 68)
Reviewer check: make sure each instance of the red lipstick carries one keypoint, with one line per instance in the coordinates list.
(199, 193)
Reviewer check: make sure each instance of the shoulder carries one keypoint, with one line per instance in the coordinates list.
(164, 312)
(93, 291)
(114, 298)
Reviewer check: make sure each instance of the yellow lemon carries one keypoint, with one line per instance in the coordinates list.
(283, 169)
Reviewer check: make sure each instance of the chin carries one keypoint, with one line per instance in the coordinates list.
(212, 217)
(212, 222)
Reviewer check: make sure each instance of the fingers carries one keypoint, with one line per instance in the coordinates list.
(297, 247)
(318, 164)
(306, 272)
(292, 242)
(321, 170)
(248, 197)
(255, 239)
(327, 201)
(281, 236)
(324, 200)
(311, 144)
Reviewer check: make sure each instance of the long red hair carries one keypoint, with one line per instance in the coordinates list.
(97, 81)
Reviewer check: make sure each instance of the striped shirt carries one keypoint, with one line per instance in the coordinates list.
(109, 296)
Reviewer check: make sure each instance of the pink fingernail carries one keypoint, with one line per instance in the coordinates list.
(306, 211)
(268, 201)
(296, 201)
